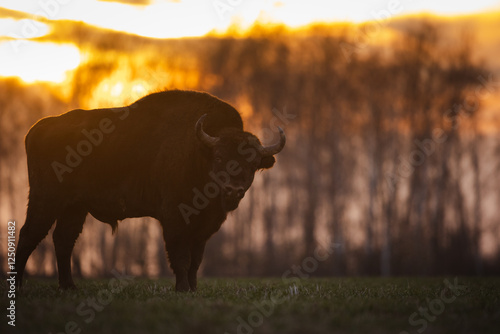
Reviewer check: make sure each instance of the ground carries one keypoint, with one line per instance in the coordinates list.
(325, 305)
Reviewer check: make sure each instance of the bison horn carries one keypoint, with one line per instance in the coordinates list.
(202, 135)
(276, 148)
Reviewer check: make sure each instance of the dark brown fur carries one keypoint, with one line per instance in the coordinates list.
(148, 165)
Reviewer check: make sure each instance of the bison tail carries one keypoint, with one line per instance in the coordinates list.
(114, 226)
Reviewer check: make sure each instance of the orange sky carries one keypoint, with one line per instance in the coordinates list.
(181, 18)
(176, 18)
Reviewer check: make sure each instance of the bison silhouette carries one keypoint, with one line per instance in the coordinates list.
(181, 157)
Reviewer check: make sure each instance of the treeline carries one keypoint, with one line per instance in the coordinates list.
(387, 170)
(385, 155)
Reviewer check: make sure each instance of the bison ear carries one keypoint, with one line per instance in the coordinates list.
(267, 162)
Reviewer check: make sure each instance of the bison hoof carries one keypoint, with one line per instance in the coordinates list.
(180, 287)
(192, 286)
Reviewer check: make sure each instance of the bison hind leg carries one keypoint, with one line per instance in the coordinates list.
(68, 228)
(40, 217)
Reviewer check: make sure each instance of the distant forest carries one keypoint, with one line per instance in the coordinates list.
(390, 163)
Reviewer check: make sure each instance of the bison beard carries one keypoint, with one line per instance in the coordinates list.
(180, 157)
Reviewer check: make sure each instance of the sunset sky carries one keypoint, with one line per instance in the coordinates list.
(179, 18)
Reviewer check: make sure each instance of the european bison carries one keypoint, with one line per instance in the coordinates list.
(181, 157)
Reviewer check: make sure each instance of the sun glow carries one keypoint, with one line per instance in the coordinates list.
(23, 28)
(34, 61)
(23, 57)
(117, 90)
(185, 18)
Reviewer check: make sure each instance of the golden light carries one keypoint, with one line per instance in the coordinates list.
(181, 18)
(34, 61)
(24, 28)
(184, 18)
(295, 13)
(117, 89)
(139, 89)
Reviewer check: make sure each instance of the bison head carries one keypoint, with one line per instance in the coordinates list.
(235, 156)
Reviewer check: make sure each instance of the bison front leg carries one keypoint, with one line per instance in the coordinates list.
(197, 250)
(180, 260)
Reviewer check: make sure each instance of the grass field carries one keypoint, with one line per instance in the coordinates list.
(327, 305)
